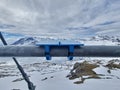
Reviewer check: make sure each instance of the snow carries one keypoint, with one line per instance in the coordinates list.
(59, 82)
(56, 71)
(48, 75)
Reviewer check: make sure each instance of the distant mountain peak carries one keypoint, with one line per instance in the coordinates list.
(26, 41)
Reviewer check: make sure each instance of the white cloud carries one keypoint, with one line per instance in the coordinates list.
(54, 16)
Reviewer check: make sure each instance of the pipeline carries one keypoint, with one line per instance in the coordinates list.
(59, 51)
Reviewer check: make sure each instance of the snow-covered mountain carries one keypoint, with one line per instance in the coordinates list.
(28, 40)
(25, 41)
(74, 18)
(95, 40)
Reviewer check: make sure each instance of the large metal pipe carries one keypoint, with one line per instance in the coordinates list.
(83, 51)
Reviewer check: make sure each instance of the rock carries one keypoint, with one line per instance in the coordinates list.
(44, 79)
(83, 69)
(113, 65)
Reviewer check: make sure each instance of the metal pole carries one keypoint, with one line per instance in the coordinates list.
(26, 78)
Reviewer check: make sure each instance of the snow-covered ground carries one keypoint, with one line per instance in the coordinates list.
(51, 75)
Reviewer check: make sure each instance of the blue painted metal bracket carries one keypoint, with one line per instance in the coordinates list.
(70, 52)
(47, 52)
(71, 46)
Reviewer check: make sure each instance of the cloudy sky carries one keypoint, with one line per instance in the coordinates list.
(60, 17)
